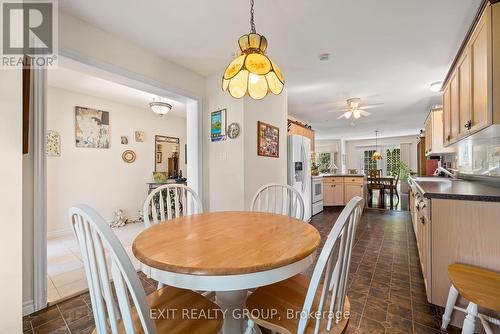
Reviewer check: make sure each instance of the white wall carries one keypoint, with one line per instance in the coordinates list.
(261, 170)
(99, 177)
(11, 201)
(235, 171)
(355, 148)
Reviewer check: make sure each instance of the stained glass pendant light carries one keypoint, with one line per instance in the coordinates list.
(252, 73)
(376, 155)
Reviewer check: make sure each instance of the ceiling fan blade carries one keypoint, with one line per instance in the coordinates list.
(371, 106)
(337, 110)
(341, 116)
(365, 113)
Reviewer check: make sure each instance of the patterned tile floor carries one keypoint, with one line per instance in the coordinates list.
(386, 286)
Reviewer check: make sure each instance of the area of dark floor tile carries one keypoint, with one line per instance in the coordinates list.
(386, 287)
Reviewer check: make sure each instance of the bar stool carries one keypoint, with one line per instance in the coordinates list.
(481, 288)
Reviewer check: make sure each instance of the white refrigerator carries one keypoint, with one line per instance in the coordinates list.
(299, 169)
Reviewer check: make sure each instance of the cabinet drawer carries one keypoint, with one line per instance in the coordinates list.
(333, 179)
(353, 180)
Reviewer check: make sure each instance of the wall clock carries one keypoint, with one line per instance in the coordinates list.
(233, 130)
(129, 156)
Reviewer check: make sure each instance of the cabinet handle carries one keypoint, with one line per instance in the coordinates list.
(422, 220)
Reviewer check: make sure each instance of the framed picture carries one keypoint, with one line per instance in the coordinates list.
(53, 146)
(91, 128)
(159, 157)
(124, 140)
(268, 140)
(218, 125)
(139, 136)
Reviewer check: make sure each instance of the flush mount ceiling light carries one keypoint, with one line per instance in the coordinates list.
(252, 73)
(436, 86)
(376, 155)
(160, 107)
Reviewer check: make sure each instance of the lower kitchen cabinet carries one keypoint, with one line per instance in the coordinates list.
(339, 190)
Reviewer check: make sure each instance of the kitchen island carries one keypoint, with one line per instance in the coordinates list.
(339, 189)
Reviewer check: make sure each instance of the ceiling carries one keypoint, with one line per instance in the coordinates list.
(381, 51)
(88, 84)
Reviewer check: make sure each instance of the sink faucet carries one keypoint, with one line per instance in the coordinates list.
(453, 175)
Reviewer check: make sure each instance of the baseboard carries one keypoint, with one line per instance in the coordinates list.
(28, 307)
(63, 232)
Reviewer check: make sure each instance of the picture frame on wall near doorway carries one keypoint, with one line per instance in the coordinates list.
(218, 123)
(268, 140)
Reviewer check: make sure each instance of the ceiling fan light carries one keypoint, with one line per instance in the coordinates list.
(347, 114)
(356, 113)
(436, 86)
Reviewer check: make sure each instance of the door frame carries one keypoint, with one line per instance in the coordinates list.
(194, 138)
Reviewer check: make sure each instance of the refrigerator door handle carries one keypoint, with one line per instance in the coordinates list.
(303, 158)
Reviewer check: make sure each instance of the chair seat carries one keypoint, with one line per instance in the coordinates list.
(286, 297)
(204, 316)
(480, 286)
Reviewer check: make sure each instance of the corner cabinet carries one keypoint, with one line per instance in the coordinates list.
(472, 84)
(434, 133)
(297, 128)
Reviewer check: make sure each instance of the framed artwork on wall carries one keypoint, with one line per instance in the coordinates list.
(53, 145)
(91, 128)
(218, 125)
(268, 140)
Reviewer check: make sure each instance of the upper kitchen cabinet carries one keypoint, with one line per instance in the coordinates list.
(471, 100)
(434, 133)
(297, 128)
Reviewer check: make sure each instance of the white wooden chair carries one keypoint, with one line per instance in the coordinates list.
(104, 259)
(170, 201)
(280, 199)
(294, 299)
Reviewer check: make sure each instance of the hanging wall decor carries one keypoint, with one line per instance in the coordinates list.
(139, 136)
(233, 130)
(91, 128)
(124, 140)
(53, 144)
(129, 156)
(218, 125)
(268, 140)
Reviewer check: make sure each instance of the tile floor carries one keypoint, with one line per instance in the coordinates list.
(386, 285)
(66, 276)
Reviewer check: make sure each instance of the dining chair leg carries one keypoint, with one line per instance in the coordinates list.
(250, 325)
(450, 304)
(391, 199)
(469, 326)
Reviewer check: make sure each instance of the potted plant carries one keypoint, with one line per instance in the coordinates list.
(404, 174)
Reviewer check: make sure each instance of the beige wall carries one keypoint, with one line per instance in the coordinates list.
(235, 171)
(96, 176)
(11, 201)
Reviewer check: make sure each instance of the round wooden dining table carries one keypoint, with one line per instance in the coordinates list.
(227, 252)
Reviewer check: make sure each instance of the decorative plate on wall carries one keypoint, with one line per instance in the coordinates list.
(129, 156)
(233, 130)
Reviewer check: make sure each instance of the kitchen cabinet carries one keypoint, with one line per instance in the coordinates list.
(339, 190)
(434, 134)
(296, 128)
(471, 92)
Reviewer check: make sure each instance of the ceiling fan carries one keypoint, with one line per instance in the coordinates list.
(355, 110)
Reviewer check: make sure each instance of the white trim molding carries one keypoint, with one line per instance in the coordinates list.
(28, 307)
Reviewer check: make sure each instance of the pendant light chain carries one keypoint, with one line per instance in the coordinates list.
(252, 22)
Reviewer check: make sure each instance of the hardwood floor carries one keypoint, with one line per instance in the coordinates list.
(386, 285)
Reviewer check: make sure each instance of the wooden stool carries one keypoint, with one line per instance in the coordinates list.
(481, 288)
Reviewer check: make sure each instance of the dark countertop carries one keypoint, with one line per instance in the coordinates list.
(443, 188)
(339, 175)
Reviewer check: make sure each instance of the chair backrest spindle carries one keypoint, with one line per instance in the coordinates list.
(279, 199)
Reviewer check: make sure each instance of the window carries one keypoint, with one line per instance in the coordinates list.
(393, 161)
(325, 162)
(369, 164)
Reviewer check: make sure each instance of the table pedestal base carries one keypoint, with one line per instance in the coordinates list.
(233, 304)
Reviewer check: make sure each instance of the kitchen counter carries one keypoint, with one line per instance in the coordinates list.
(445, 188)
(340, 175)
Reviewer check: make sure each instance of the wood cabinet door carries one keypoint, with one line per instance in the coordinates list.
(428, 134)
(328, 196)
(464, 94)
(426, 254)
(338, 194)
(454, 107)
(481, 68)
(446, 115)
(352, 190)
